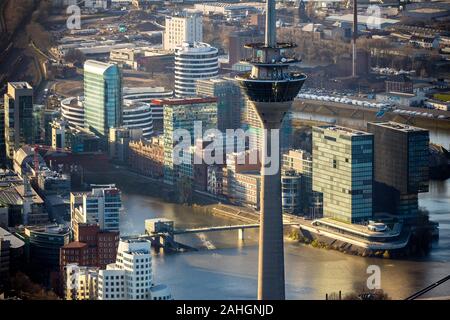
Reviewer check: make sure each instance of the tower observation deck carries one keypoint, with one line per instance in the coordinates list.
(271, 88)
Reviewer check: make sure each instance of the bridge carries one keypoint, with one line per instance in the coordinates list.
(240, 228)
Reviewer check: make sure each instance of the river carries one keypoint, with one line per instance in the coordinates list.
(226, 268)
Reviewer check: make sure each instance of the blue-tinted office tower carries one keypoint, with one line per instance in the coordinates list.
(102, 96)
(401, 167)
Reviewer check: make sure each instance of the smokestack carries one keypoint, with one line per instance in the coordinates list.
(271, 24)
(355, 36)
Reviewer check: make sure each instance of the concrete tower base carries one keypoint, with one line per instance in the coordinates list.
(271, 284)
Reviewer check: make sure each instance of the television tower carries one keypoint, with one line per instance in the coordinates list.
(271, 88)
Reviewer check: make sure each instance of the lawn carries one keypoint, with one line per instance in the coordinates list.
(442, 96)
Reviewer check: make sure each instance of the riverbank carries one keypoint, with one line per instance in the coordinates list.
(411, 244)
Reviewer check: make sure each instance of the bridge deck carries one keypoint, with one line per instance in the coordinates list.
(224, 228)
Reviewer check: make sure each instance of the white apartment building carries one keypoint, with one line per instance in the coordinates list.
(80, 282)
(179, 29)
(130, 278)
(100, 206)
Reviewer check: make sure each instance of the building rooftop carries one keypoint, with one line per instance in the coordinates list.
(182, 101)
(14, 195)
(21, 85)
(398, 126)
(158, 220)
(137, 90)
(360, 229)
(36, 198)
(362, 19)
(97, 66)
(15, 242)
(49, 229)
(346, 131)
(196, 47)
(75, 245)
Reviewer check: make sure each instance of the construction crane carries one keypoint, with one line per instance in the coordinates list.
(38, 147)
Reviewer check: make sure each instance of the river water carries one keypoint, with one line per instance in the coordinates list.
(226, 268)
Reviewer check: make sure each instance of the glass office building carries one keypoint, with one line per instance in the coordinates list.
(18, 111)
(181, 114)
(343, 172)
(401, 168)
(102, 96)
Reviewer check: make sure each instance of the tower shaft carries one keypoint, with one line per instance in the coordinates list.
(271, 279)
(271, 88)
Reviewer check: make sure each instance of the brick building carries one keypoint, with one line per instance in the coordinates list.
(147, 157)
(91, 247)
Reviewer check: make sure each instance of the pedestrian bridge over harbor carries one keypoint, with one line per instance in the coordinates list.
(240, 228)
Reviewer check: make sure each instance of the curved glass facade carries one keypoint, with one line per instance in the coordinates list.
(103, 96)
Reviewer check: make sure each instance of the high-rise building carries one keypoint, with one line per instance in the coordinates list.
(58, 133)
(182, 28)
(300, 162)
(194, 61)
(131, 277)
(291, 183)
(271, 88)
(229, 100)
(102, 96)
(100, 206)
(343, 172)
(401, 168)
(182, 114)
(18, 116)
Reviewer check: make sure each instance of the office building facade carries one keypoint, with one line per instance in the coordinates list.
(401, 166)
(18, 126)
(102, 96)
(343, 172)
(100, 206)
(183, 114)
(229, 100)
(182, 28)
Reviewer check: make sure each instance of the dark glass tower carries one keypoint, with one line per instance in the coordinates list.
(271, 88)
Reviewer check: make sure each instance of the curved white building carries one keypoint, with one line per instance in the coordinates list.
(72, 110)
(131, 277)
(193, 62)
(147, 95)
(138, 115)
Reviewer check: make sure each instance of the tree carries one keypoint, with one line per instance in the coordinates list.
(75, 56)
(184, 189)
(28, 290)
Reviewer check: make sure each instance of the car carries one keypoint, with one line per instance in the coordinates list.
(377, 227)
